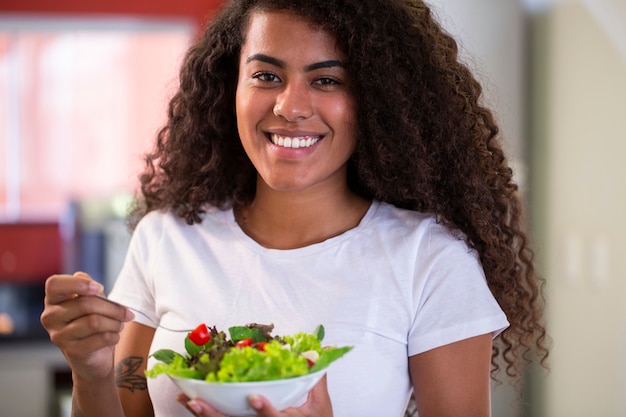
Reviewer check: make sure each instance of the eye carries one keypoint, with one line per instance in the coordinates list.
(328, 83)
(266, 77)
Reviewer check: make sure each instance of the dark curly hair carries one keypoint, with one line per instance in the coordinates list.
(425, 143)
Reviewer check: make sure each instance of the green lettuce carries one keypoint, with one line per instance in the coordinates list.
(269, 358)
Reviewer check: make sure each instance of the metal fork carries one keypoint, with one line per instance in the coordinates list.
(134, 310)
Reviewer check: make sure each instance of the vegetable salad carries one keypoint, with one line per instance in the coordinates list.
(249, 353)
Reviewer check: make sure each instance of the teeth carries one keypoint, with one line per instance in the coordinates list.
(297, 142)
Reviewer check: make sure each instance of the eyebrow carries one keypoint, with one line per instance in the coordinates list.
(281, 64)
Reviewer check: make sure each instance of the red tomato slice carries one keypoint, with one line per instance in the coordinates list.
(244, 342)
(200, 336)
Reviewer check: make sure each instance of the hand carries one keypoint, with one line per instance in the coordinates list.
(317, 405)
(83, 325)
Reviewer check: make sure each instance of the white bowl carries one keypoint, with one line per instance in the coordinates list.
(231, 398)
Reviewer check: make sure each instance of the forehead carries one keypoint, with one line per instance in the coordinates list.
(286, 31)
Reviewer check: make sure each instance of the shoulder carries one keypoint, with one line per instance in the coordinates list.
(418, 237)
(159, 223)
(157, 219)
(390, 215)
(417, 226)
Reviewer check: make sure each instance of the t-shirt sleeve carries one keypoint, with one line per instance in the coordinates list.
(453, 301)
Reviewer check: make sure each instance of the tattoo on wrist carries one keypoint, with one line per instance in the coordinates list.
(126, 375)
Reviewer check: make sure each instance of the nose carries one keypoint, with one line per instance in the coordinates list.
(294, 102)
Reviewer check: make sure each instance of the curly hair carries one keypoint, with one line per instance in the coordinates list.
(425, 143)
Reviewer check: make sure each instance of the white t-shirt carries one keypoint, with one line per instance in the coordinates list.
(396, 285)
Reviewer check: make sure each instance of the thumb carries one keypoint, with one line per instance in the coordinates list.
(93, 286)
(318, 402)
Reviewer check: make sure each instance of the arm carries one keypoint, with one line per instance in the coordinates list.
(88, 330)
(454, 380)
(131, 360)
(85, 328)
(126, 391)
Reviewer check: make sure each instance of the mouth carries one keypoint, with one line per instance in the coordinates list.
(294, 142)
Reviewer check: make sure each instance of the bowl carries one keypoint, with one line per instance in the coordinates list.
(231, 398)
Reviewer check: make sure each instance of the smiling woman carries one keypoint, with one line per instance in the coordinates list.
(397, 225)
(295, 95)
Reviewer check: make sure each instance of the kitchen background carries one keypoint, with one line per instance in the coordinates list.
(83, 90)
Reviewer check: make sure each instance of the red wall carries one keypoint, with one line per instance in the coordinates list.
(30, 252)
(195, 10)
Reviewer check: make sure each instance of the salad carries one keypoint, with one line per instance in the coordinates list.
(249, 353)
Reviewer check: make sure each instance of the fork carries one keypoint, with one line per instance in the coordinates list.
(134, 310)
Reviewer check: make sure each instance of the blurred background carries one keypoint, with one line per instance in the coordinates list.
(83, 91)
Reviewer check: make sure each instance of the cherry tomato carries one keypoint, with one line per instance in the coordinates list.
(200, 335)
(243, 343)
(260, 346)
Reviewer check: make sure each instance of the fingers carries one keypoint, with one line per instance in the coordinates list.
(198, 407)
(76, 315)
(264, 408)
(79, 295)
(317, 405)
(60, 288)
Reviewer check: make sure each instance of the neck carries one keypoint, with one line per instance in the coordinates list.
(286, 220)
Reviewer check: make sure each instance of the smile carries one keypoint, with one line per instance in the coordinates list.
(294, 142)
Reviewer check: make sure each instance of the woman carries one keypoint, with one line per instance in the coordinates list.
(323, 162)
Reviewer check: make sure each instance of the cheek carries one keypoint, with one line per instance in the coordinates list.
(345, 116)
(343, 109)
(250, 109)
(243, 113)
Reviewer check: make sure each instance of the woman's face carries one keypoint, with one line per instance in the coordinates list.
(295, 112)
